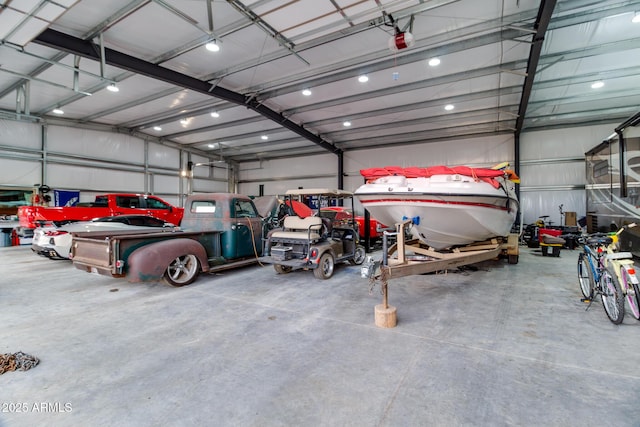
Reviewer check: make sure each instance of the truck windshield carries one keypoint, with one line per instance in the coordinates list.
(156, 204)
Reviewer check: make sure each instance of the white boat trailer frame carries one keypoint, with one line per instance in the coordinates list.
(426, 260)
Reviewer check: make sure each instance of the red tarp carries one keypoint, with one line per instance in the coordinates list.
(417, 172)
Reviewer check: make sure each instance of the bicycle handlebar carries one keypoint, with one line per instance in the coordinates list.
(596, 239)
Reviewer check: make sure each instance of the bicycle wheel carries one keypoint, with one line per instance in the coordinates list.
(585, 276)
(631, 291)
(612, 296)
(636, 290)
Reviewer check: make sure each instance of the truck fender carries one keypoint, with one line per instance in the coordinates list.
(149, 262)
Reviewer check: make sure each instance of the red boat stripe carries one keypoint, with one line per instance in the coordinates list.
(442, 202)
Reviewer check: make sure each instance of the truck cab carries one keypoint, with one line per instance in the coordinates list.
(233, 214)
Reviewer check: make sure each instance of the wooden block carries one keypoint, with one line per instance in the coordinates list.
(386, 317)
(570, 218)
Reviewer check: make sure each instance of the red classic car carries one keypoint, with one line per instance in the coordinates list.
(343, 214)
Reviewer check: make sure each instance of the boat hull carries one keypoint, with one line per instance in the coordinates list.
(446, 210)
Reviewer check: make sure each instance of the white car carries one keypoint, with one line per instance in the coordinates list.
(55, 242)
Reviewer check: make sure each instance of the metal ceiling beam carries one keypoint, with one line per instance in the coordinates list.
(57, 40)
(131, 104)
(433, 135)
(195, 110)
(264, 26)
(260, 146)
(26, 77)
(211, 128)
(613, 98)
(380, 112)
(592, 117)
(376, 61)
(40, 69)
(486, 115)
(332, 73)
(248, 135)
(484, 26)
(192, 110)
(288, 86)
(408, 87)
(457, 99)
(331, 37)
(541, 24)
(480, 116)
(368, 143)
(116, 17)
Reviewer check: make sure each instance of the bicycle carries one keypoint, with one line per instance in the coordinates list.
(598, 278)
(624, 268)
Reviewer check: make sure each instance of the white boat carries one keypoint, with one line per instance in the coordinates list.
(448, 206)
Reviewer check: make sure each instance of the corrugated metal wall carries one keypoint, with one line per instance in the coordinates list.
(551, 165)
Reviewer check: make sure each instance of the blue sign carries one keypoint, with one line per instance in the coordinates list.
(65, 198)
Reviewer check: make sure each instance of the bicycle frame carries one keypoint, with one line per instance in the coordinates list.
(600, 277)
(595, 261)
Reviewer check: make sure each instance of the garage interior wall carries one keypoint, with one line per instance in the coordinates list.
(552, 168)
(94, 161)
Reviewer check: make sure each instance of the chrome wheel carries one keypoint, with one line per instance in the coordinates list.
(182, 271)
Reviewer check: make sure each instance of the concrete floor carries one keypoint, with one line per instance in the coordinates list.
(504, 345)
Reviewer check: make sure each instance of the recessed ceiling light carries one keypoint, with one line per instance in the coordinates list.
(597, 85)
(184, 122)
(449, 107)
(215, 114)
(113, 88)
(636, 18)
(157, 128)
(346, 123)
(212, 46)
(57, 111)
(306, 92)
(363, 78)
(211, 145)
(434, 62)
(264, 137)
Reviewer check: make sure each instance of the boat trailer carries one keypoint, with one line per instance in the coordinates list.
(414, 258)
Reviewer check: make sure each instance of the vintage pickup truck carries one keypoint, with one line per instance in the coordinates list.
(218, 231)
(104, 205)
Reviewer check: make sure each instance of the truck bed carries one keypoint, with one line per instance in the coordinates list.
(103, 253)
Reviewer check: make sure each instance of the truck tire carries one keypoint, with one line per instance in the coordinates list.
(282, 269)
(182, 271)
(359, 256)
(325, 267)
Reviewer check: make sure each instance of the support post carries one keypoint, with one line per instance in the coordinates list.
(385, 315)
